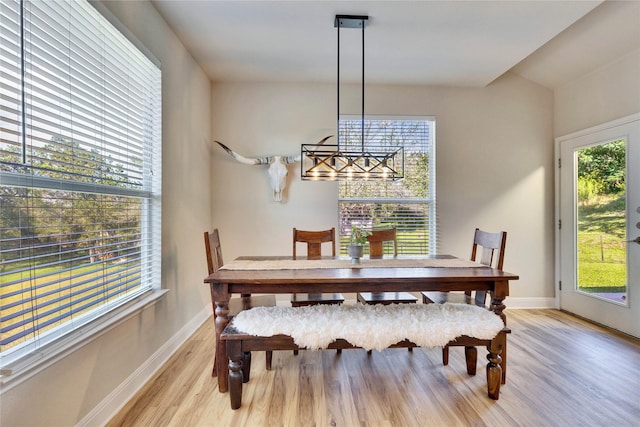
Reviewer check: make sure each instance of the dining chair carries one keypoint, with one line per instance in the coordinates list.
(377, 240)
(213, 251)
(314, 241)
(488, 249)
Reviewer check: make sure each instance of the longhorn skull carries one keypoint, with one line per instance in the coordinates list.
(277, 166)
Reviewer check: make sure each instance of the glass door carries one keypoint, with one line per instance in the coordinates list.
(599, 225)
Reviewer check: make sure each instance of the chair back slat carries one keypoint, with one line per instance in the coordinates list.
(486, 257)
(213, 250)
(314, 241)
(491, 247)
(376, 242)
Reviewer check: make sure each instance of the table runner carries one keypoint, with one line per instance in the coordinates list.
(302, 264)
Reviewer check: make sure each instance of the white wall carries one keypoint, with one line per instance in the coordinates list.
(606, 94)
(69, 390)
(494, 166)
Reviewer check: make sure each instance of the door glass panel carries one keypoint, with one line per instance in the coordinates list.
(601, 223)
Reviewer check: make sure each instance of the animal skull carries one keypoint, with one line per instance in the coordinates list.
(277, 166)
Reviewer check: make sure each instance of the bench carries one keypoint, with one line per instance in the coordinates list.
(239, 344)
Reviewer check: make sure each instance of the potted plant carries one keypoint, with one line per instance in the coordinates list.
(357, 242)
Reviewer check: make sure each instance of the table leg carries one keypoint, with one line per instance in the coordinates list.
(214, 372)
(222, 319)
(499, 293)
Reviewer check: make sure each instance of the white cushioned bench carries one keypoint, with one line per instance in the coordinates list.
(372, 327)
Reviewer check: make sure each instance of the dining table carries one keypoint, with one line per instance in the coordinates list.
(283, 275)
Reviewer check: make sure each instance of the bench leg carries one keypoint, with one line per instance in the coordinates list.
(471, 357)
(268, 358)
(504, 358)
(234, 352)
(494, 370)
(246, 366)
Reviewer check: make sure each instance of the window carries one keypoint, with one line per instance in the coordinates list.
(408, 204)
(80, 171)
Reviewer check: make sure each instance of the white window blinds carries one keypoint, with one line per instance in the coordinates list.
(80, 171)
(409, 204)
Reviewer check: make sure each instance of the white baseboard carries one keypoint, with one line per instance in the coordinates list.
(110, 405)
(530, 302)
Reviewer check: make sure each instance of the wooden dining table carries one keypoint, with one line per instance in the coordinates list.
(282, 275)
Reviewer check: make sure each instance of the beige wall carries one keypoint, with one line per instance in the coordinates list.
(66, 392)
(606, 94)
(494, 166)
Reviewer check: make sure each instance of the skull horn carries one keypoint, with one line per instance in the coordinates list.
(297, 158)
(247, 161)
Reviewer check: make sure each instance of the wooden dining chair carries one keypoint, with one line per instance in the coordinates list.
(314, 241)
(488, 249)
(213, 250)
(377, 240)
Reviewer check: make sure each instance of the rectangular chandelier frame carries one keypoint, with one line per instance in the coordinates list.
(333, 162)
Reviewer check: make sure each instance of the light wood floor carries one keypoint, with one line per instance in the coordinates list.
(562, 372)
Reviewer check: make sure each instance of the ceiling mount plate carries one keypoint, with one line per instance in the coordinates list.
(350, 21)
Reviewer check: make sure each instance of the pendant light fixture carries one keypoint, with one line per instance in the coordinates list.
(350, 159)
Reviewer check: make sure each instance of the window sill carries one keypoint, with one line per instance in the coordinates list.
(25, 368)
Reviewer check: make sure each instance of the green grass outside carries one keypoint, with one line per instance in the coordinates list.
(91, 274)
(37, 271)
(601, 246)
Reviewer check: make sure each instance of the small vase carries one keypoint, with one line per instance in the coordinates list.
(355, 252)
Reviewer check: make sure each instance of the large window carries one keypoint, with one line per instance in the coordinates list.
(409, 204)
(80, 171)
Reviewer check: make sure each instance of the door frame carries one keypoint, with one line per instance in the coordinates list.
(558, 196)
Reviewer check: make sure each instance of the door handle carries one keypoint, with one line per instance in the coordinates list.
(637, 240)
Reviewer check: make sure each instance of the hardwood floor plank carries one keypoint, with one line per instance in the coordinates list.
(563, 371)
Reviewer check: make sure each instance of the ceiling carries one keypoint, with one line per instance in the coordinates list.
(445, 43)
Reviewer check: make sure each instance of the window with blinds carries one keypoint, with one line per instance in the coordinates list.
(409, 204)
(80, 171)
